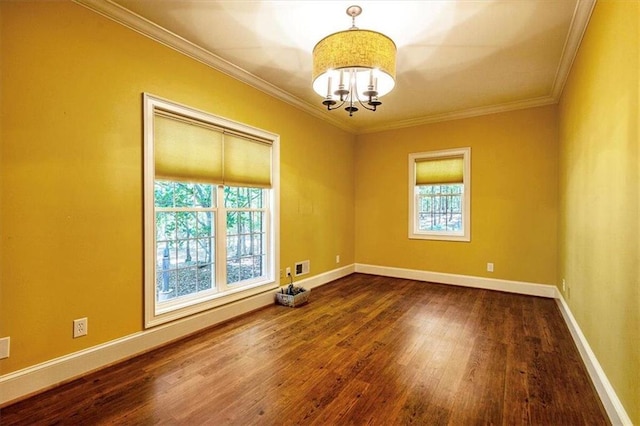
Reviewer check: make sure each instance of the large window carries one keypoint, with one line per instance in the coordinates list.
(439, 195)
(210, 211)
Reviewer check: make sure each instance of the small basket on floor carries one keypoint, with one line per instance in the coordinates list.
(293, 300)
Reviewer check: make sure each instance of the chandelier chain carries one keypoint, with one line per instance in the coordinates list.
(354, 11)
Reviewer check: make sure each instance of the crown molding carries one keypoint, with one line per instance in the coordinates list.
(580, 20)
(119, 14)
(467, 113)
(143, 26)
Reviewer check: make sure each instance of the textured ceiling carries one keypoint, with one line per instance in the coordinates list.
(455, 58)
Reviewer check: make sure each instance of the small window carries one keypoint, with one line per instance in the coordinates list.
(439, 195)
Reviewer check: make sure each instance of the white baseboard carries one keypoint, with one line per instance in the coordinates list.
(542, 290)
(23, 383)
(615, 410)
(327, 277)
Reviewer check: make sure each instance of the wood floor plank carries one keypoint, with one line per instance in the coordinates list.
(365, 350)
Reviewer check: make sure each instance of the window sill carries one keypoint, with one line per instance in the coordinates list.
(215, 300)
(440, 237)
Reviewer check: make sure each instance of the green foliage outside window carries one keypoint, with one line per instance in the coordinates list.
(440, 207)
(186, 236)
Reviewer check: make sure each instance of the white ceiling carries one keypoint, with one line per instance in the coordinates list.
(456, 58)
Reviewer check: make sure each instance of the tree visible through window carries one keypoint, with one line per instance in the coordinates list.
(440, 207)
(246, 236)
(185, 238)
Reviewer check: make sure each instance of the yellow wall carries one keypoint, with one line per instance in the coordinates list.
(71, 206)
(513, 197)
(71, 183)
(599, 221)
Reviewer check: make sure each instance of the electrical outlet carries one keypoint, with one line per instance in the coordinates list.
(4, 347)
(337, 258)
(564, 285)
(489, 267)
(80, 327)
(288, 271)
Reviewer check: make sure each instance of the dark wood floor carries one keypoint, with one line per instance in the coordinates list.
(365, 350)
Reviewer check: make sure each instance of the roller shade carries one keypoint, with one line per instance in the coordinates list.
(247, 162)
(194, 151)
(439, 171)
(185, 150)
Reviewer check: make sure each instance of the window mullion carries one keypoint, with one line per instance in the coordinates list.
(417, 199)
(221, 241)
(266, 243)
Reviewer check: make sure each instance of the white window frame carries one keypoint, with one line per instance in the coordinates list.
(414, 232)
(176, 303)
(155, 315)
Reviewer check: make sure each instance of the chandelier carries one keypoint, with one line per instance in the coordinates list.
(354, 67)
